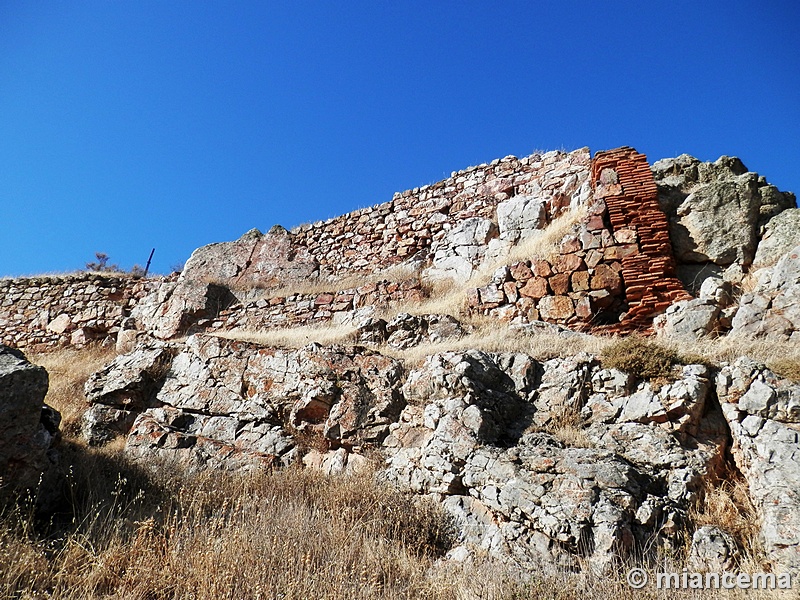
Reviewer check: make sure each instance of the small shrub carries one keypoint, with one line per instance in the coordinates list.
(640, 358)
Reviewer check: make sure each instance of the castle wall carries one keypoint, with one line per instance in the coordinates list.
(616, 273)
(37, 313)
(414, 222)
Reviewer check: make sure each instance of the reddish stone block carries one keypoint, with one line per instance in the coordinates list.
(556, 308)
(593, 258)
(535, 288)
(605, 278)
(595, 223)
(520, 271)
(583, 308)
(580, 281)
(541, 268)
(559, 283)
(567, 263)
(323, 299)
(570, 244)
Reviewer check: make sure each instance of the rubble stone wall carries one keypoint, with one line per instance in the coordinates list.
(412, 223)
(617, 270)
(43, 312)
(309, 309)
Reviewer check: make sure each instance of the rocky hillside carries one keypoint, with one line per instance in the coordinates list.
(479, 342)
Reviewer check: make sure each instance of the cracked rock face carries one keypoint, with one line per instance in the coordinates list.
(472, 435)
(763, 413)
(204, 286)
(232, 404)
(28, 428)
(557, 462)
(773, 308)
(717, 213)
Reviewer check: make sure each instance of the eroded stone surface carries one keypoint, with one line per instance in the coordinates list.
(28, 428)
(763, 413)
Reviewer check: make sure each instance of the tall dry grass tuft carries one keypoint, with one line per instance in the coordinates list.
(68, 369)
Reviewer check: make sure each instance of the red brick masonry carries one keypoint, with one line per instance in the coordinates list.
(622, 178)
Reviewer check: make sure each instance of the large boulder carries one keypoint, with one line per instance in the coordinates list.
(763, 413)
(28, 428)
(717, 214)
(122, 389)
(781, 234)
(218, 276)
(459, 252)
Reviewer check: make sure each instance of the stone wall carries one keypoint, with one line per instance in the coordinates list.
(616, 269)
(415, 222)
(43, 312)
(310, 309)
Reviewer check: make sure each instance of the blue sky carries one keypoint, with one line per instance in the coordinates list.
(127, 125)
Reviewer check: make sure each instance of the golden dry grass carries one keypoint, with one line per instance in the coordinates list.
(295, 337)
(69, 369)
(727, 505)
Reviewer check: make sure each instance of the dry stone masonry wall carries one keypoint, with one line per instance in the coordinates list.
(616, 271)
(416, 223)
(43, 312)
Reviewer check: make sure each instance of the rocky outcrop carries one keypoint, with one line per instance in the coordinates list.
(481, 431)
(773, 308)
(406, 331)
(232, 404)
(28, 429)
(717, 213)
(763, 413)
(782, 233)
(204, 288)
(558, 461)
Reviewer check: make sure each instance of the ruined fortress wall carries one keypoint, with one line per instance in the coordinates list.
(415, 221)
(37, 313)
(616, 270)
(616, 273)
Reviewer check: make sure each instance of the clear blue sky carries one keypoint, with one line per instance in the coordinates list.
(132, 124)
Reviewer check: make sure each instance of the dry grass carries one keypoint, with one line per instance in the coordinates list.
(639, 357)
(295, 337)
(486, 335)
(544, 244)
(781, 356)
(728, 506)
(69, 369)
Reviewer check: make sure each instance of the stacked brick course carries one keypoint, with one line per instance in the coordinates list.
(623, 178)
(43, 312)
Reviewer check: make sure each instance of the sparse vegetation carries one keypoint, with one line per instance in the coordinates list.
(640, 358)
(788, 367)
